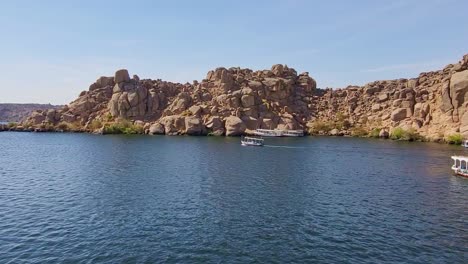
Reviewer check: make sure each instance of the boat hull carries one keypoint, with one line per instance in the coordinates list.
(279, 133)
(266, 135)
(460, 173)
(293, 135)
(251, 144)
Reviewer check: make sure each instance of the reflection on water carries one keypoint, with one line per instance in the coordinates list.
(107, 199)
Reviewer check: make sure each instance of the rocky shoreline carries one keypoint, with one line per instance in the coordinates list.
(235, 101)
(149, 129)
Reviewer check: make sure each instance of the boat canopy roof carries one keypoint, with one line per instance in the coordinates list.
(461, 158)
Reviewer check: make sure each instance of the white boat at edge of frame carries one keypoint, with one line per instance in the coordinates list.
(465, 143)
(460, 165)
(252, 141)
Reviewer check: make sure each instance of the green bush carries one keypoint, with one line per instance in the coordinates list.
(27, 124)
(320, 126)
(408, 135)
(456, 138)
(66, 126)
(359, 132)
(63, 126)
(123, 127)
(12, 125)
(47, 126)
(375, 133)
(397, 133)
(411, 135)
(338, 125)
(341, 117)
(341, 122)
(95, 124)
(108, 117)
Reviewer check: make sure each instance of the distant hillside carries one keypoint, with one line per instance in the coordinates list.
(17, 112)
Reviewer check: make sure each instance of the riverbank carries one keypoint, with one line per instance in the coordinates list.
(140, 128)
(231, 101)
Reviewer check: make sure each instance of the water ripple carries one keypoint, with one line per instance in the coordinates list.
(71, 198)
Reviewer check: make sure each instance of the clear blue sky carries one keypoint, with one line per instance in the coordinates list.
(52, 50)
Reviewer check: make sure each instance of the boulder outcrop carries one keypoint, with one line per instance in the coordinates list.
(156, 129)
(234, 126)
(233, 101)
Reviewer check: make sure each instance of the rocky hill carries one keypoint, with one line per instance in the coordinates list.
(18, 112)
(228, 101)
(236, 101)
(433, 105)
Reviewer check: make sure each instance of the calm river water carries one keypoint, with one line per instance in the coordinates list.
(79, 198)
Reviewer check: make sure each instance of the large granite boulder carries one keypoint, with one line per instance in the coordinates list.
(234, 126)
(181, 103)
(173, 125)
(277, 69)
(52, 116)
(193, 126)
(399, 114)
(459, 88)
(156, 129)
(215, 126)
(104, 81)
(247, 100)
(383, 133)
(121, 76)
(153, 102)
(36, 117)
(446, 100)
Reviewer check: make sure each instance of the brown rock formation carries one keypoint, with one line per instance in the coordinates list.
(227, 101)
(433, 104)
(234, 101)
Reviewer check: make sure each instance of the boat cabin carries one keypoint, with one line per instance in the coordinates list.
(460, 165)
(252, 141)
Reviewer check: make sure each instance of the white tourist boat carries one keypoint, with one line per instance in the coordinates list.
(268, 133)
(278, 133)
(460, 165)
(293, 133)
(252, 141)
(465, 143)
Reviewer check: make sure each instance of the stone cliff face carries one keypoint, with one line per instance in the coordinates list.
(434, 104)
(235, 101)
(228, 101)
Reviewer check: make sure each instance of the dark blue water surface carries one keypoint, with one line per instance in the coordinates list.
(78, 198)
